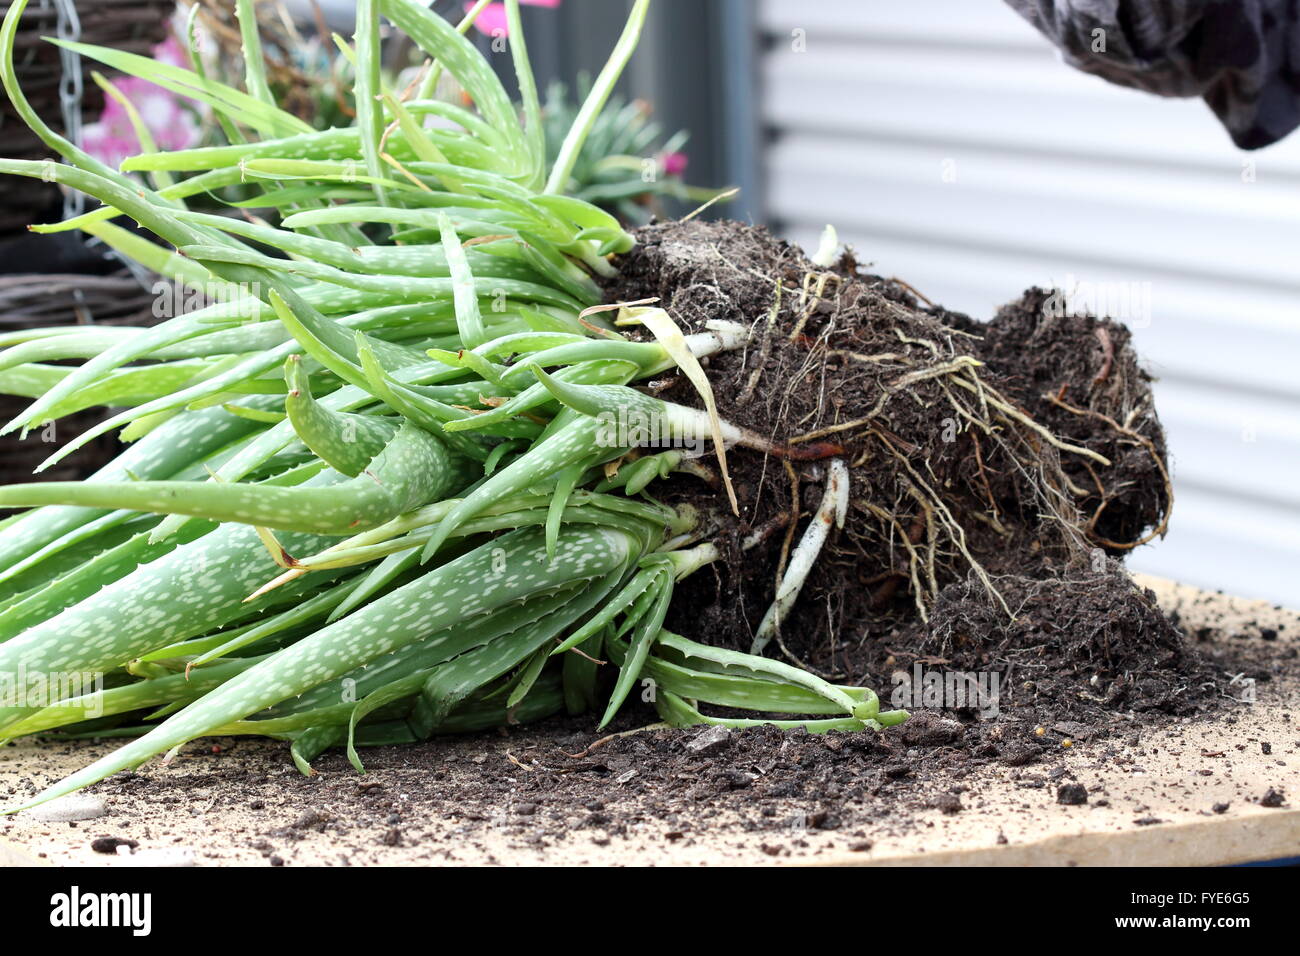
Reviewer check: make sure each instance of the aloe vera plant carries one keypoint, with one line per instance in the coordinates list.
(374, 492)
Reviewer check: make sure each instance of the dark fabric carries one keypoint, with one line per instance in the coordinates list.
(1242, 56)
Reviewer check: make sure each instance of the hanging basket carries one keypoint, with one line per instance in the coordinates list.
(36, 301)
(136, 26)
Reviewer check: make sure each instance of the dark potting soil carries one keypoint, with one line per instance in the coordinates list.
(560, 787)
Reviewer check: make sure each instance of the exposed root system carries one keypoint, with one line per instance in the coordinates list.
(998, 457)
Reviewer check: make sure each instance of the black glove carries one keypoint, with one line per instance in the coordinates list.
(1242, 56)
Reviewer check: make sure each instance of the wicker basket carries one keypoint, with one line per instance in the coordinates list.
(36, 301)
(136, 26)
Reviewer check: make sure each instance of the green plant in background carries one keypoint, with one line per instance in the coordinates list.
(626, 166)
(303, 67)
(393, 480)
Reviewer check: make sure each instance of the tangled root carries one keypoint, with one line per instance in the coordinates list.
(1016, 447)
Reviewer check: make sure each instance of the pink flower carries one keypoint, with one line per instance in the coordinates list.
(171, 52)
(674, 164)
(173, 126)
(492, 20)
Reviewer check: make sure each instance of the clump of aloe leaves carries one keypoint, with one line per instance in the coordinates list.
(371, 494)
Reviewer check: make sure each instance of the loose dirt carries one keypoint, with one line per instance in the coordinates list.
(943, 787)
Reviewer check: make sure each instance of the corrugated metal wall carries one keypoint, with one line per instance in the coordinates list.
(948, 143)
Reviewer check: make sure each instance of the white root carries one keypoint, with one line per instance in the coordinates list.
(834, 508)
(691, 427)
(666, 331)
(827, 249)
(722, 336)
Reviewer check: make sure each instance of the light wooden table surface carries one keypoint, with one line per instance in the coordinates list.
(1176, 776)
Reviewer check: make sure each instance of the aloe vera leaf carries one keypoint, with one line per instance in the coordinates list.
(496, 519)
(530, 670)
(421, 143)
(64, 556)
(126, 619)
(187, 83)
(239, 371)
(110, 565)
(676, 712)
(574, 444)
(442, 649)
(303, 612)
(331, 144)
(472, 716)
(254, 67)
(456, 680)
(469, 320)
(428, 413)
(85, 345)
(645, 355)
(161, 454)
(325, 173)
(346, 442)
(722, 660)
(205, 182)
(466, 120)
(534, 131)
(323, 342)
(477, 714)
(565, 483)
(474, 215)
(591, 107)
(273, 350)
(46, 558)
(602, 372)
(401, 288)
(135, 696)
(310, 744)
(643, 582)
(370, 117)
(422, 260)
(458, 55)
(449, 593)
(412, 469)
(732, 690)
(581, 671)
(259, 449)
(453, 664)
(30, 380)
(582, 214)
(642, 639)
(403, 687)
(129, 350)
(152, 256)
(257, 337)
(133, 385)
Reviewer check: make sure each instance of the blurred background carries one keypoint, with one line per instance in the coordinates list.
(949, 145)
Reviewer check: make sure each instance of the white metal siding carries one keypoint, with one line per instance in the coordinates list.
(948, 143)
